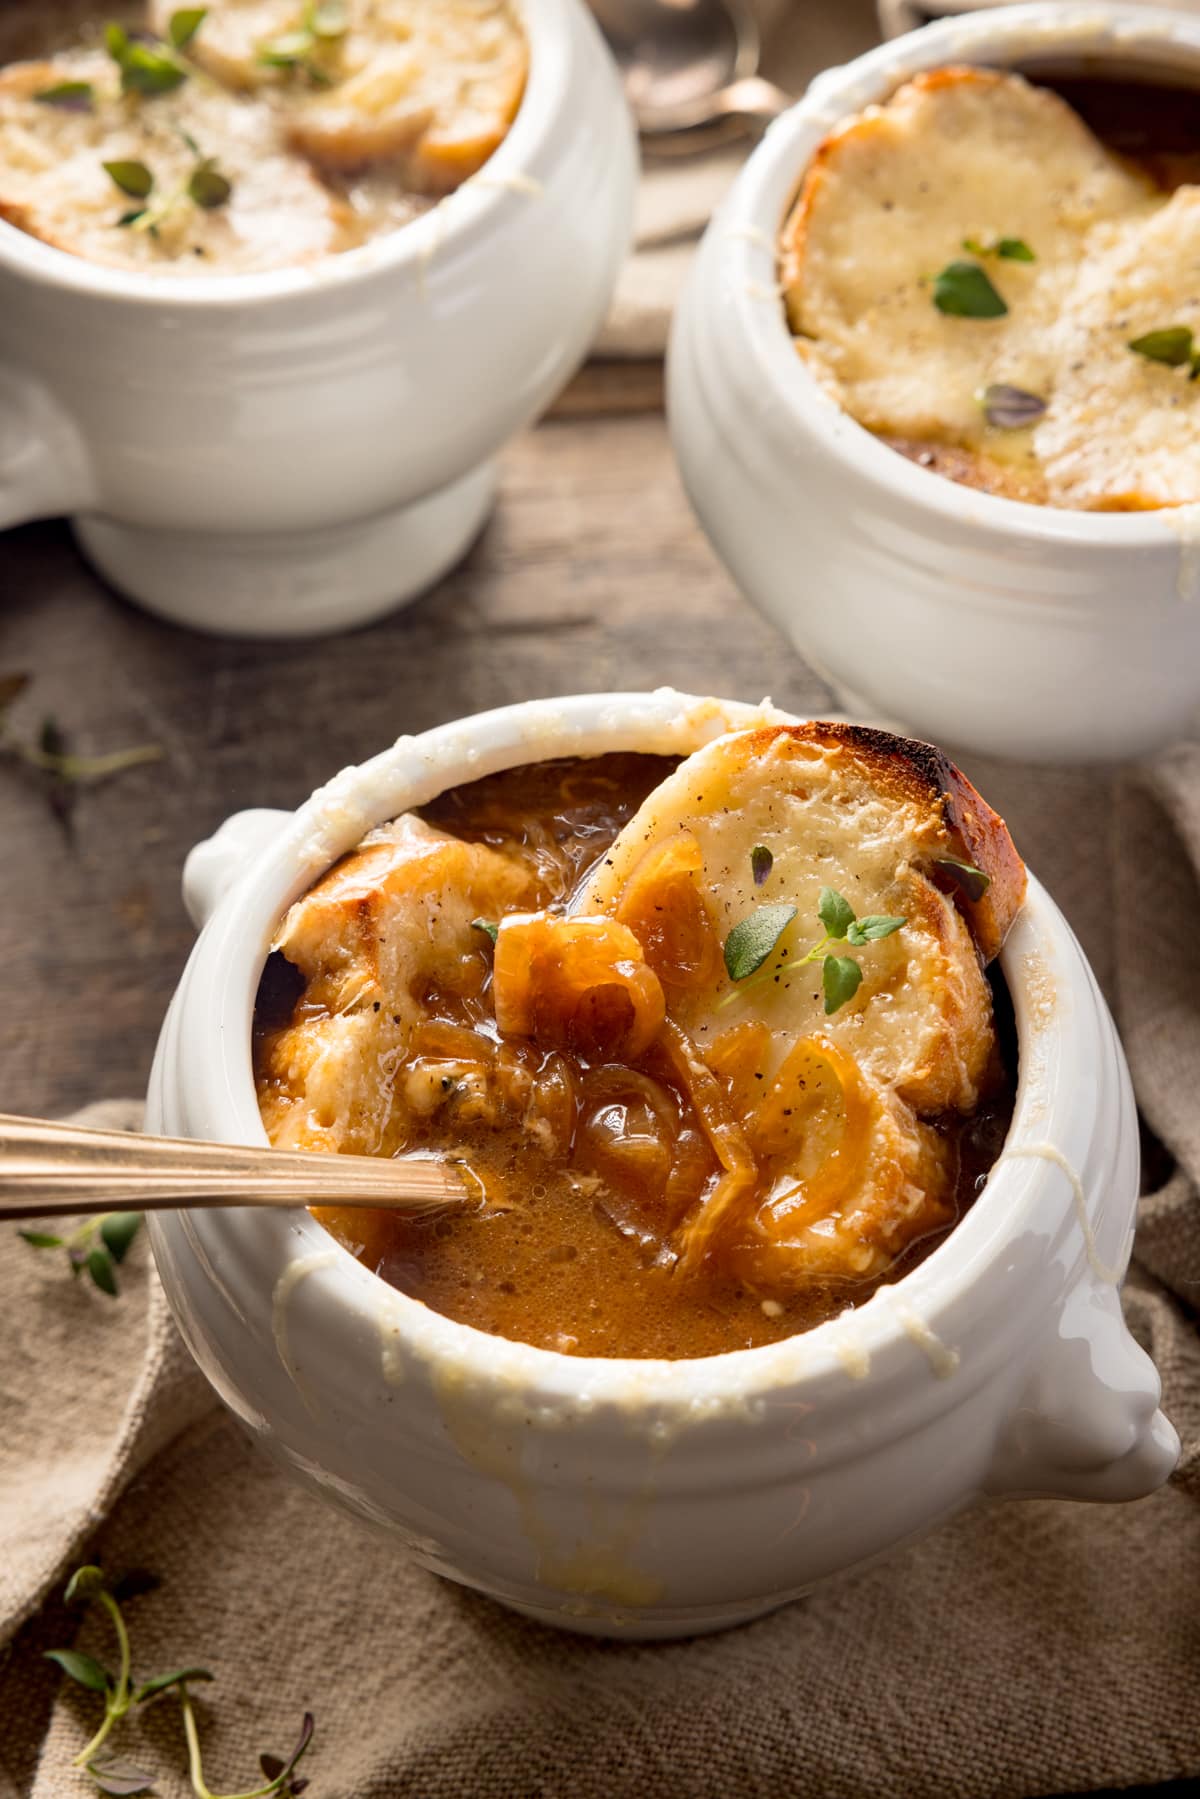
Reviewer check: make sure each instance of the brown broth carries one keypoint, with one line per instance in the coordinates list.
(579, 1263)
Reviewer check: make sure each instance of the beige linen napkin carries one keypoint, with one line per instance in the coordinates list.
(1027, 1648)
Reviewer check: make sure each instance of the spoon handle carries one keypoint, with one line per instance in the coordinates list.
(51, 1170)
(687, 127)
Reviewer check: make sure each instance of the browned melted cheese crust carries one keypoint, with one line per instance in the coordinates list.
(1097, 180)
(555, 1065)
(326, 140)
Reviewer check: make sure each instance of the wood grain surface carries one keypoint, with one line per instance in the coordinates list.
(592, 574)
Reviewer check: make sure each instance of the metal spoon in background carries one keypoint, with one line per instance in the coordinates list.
(689, 69)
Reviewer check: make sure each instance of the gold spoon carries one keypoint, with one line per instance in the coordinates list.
(52, 1170)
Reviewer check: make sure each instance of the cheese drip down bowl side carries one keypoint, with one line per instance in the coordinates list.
(652, 1498)
(296, 451)
(981, 622)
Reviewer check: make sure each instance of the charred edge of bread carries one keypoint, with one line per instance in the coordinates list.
(914, 772)
(869, 120)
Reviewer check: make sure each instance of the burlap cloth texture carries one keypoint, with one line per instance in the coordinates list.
(1027, 1648)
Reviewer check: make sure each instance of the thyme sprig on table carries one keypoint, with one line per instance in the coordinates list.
(51, 757)
(96, 1249)
(121, 1693)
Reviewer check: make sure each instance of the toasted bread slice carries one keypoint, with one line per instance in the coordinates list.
(881, 820)
(430, 86)
(53, 183)
(1122, 429)
(387, 924)
(957, 157)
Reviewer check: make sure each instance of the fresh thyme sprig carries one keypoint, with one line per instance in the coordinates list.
(121, 1692)
(205, 187)
(97, 1248)
(149, 66)
(1009, 249)
(754, 938)
(307, 49)
(51, 757)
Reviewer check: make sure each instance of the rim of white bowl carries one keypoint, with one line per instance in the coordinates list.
(239, 934)
(430, 237)
(748, 224)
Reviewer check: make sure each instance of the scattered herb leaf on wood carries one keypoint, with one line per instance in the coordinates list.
(61, 770)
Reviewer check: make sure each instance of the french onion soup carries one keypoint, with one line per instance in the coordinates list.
(245, 134)
(1001, 280)
(713, 1038)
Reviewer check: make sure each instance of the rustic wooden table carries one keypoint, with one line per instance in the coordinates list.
(592, 574)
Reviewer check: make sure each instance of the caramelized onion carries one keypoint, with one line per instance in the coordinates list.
(578, 984)
(738, 1180)
(664, 908)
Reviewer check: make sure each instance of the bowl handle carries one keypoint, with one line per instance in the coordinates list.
(43, 467)
(214, 865)
(1086, 1423)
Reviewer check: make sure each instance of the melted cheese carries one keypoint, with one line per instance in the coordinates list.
(960, 154)
(388, 922)
(920, 1022)
(1122, 430)
(53, 183)
(362, 131)
(434, 84)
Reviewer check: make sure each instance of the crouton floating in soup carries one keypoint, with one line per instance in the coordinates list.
(999, 280)
(714, 1038)
(248, 134)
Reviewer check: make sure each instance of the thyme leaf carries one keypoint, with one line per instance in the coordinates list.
(184, 24)
(970, 881)
(121, 1691)
(963, 290)
(1009, 249)
(133, 178)
(1010, 408)
(751, 941)
(1173, 345)
(761, 863)
(72, 96)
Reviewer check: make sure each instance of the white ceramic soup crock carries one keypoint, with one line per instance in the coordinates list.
(287, 453)
(980, 622)
(653, 1498)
